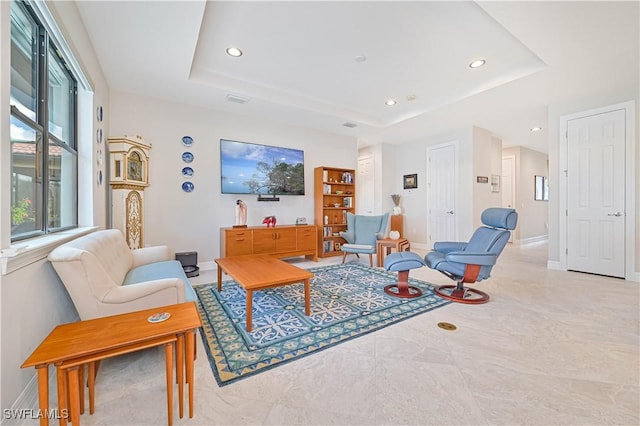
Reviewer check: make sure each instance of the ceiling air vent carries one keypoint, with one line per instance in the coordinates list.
(349, 124)
(237, 99)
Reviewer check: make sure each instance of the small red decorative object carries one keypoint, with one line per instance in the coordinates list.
(269, 221)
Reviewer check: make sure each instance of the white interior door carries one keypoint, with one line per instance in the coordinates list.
(596, 194)
(441, 203)
(365, 185)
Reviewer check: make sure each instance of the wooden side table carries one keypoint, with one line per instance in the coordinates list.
(384, 246)
(70, 346)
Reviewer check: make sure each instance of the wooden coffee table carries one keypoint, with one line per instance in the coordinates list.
(259, 272)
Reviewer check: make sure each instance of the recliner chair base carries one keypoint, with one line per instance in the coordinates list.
(402, 262)
(402, 289)
(459, 293)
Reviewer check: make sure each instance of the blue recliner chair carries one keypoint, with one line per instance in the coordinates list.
(362, 234)
(472, 262)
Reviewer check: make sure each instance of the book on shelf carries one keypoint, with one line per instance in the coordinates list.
(327, 188)
(348, 202)
(325, 175)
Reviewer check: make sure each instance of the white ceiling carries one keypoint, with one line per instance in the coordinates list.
(299, 64)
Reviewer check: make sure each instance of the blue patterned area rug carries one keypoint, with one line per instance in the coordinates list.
(347, 301)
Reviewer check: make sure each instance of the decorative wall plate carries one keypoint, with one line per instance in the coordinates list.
(99, 113)
(187, 186)
(187, 157)
(187, 172)
(99, 177)
(187, 140)
(99, 135)
(159, 317)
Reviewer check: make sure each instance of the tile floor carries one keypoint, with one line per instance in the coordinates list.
(550, 347)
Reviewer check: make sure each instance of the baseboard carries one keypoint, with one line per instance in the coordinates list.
(555, 265)
(207, 266)
(533, 240)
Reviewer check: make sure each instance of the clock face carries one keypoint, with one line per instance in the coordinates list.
(135, 170)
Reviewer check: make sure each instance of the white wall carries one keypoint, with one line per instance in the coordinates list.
(192, 221)
(411, 158)
(487, 161)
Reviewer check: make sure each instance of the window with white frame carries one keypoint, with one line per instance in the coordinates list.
(44, 156)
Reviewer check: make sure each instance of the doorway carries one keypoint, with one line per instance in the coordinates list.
(365, 186)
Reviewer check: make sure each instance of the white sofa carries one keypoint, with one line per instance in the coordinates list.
(104, 277)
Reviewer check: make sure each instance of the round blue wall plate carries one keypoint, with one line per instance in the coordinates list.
(187, 186)
(187, 157)
(187, 140)
(187, 172)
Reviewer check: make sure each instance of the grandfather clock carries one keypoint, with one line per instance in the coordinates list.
(128, 177)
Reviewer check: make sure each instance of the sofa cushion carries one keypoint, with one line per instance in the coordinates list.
(107, 248)
(160, 270)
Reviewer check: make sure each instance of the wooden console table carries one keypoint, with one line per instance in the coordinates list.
(70, 346)
(279, 241)
(384, 246)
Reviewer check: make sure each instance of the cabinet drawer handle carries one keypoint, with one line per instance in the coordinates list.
(239, 239)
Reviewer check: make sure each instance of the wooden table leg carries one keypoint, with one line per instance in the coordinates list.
(43, 391)
(81, 387)
(179, 372)
(249, 309)
(74, 397)
(61, 377)
(168, 353)
(189, 353)
(307, 297)
(92, 385)
(219, 278)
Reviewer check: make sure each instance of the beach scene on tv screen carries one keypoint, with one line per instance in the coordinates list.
(248, 168)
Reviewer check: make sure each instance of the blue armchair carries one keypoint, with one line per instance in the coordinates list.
(472, 262)
(362, 234)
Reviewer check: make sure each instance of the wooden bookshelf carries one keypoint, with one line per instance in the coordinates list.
(334, 196)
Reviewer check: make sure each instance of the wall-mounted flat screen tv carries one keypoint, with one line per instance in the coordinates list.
(249, 168)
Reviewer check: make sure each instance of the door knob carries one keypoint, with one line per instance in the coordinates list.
(450, 212)
(617, 214)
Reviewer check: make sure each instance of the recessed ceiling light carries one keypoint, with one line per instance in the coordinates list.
(411, 97)
(390, 102)
(536, 129)
(477, 63)
(349, 124)
(234, 51)
(360, 58)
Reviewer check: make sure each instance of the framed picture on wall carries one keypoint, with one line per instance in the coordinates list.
(410, 181)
